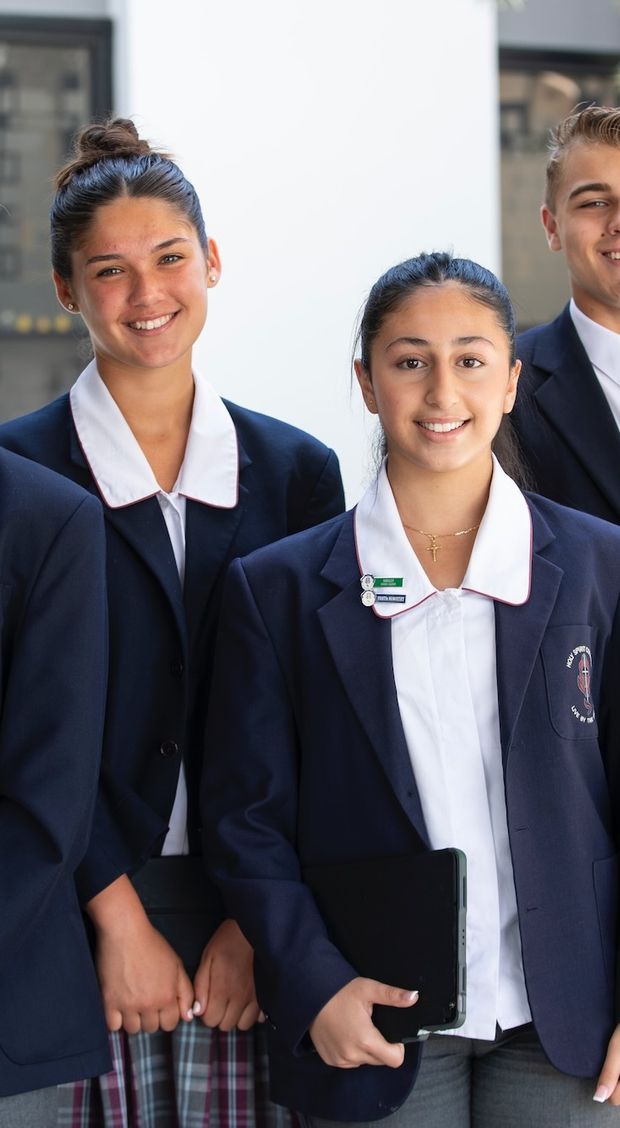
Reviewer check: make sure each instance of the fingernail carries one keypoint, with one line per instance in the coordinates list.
(601, 1094)
(197, 1007)
(413, 996)
(190, 1014)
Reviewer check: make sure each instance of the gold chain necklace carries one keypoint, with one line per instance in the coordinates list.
(434, 537)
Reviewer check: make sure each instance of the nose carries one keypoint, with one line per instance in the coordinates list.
(145, 288)
(613, 219)
(442, 391)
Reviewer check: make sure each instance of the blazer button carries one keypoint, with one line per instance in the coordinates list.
(169, 748)
(177, 669)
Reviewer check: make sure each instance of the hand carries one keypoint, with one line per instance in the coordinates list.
(344, 1034)
(224, 982)
(143, 982)
(608, 1087)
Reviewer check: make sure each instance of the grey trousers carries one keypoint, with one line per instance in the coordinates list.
(508, 1083)
(38, 1109)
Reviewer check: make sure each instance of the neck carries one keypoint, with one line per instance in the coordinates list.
(151, 399)
(157, 404)
(441, 503)
(607, 316)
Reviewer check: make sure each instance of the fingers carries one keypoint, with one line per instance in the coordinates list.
(227, 1011)
(185, 996)
(391, 996)
(343, 1032)
(113, 1018)
(132, 1022)
(202, 984)
(371, 1048)
(249, 1016)
(608, 1086)
(159, 1015)
(224, 983)
(148, 1022)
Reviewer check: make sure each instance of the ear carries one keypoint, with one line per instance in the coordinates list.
(64, 292)
(214, 265)
(365, 383)
(550, 225)
(511, 390)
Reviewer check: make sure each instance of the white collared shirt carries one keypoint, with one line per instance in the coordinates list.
(443, 645)
(602, 346)
(209, 474)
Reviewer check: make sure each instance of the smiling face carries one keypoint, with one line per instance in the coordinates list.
(583, 221)
(440, 380)
(139, 279)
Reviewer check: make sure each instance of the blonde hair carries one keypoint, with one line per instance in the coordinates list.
(596, 125)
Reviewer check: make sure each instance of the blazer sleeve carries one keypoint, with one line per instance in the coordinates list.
(54, 678)
(325, 498)
(328, 497)
(249, 796)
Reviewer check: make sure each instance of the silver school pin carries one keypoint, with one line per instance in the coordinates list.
(367, 582)
(368, 597)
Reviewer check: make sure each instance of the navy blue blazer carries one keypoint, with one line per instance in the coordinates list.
(162, 636)
(308, 763)
(564, 423)
(52, 695)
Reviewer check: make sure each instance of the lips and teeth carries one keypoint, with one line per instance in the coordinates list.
(615, 255)
(156, 323)
(442, 426)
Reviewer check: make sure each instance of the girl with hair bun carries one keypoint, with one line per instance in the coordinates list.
(440, 669)
(188, 481)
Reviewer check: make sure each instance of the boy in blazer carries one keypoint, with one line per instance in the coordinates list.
(52, 695)
(568, 413)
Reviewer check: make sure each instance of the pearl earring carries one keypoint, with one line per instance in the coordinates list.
(70, 307)
(213, 276)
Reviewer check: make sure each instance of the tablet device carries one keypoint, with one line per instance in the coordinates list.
(401, 921)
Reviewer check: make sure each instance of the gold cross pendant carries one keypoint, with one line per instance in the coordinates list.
(433, 546)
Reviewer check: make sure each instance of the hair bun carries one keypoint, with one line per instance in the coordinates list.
(117, 137)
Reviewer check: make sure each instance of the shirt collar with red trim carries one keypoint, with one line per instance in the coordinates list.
(499, 567)
(210, 470)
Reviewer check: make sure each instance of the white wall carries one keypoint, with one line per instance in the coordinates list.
(327, 140)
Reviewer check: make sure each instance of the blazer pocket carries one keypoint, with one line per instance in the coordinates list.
(605, 875)
(572, 680)
(51, 1006)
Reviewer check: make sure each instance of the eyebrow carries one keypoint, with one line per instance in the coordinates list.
(423, 342)
(595, 186)
(117, 254)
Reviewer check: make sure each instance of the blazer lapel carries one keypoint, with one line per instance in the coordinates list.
(142, 525)
(519, 632)
(209, 535)
(575, 405)
(361, 646)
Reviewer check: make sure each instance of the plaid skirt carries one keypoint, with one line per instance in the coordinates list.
(194, 1077)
